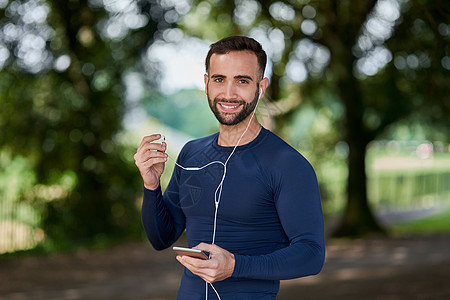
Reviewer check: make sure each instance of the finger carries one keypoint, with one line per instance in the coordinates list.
(151, 162)
(194, 263)
(207, 247)
(182, 260)
(206, 269)
(194, 270)
(148, 147)
(144, 157)
(150, 138)
(150, 155)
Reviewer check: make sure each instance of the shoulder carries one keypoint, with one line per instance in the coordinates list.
(276, 146)
(284, 168)
(278, 153)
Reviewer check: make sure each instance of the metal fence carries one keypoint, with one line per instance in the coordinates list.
(410, 190)
(19, 226)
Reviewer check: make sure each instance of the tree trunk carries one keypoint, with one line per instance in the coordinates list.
(358, 219)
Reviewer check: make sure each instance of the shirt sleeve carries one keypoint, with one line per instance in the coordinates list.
(162, 218)
(299, 208)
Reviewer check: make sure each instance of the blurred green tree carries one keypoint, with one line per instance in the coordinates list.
(63, 100)
(372, 63)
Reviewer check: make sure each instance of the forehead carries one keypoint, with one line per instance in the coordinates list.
(234, 62)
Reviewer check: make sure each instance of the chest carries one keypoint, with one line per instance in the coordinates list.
(243, 194)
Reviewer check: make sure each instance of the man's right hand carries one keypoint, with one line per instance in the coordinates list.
(150, 158)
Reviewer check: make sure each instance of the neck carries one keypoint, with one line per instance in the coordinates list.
(229, 135)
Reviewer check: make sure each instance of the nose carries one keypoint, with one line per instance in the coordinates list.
(230, 91)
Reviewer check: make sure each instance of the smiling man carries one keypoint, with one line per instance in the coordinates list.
(243, 195)
(230, 79)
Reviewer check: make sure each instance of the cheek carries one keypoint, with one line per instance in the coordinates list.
(251, 95)
(215, 92)
(211, 95)
(210, 88)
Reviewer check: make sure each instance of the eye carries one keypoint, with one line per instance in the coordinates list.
(218, 80)
(243, 81)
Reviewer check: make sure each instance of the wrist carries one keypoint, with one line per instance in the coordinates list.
(232, 265)
(151, 187)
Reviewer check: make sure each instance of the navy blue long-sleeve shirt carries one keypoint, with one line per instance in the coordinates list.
(269, 215)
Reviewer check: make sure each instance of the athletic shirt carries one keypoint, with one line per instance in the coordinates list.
(269, 216)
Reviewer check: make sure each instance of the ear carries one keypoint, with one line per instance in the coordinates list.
(206, 79)
(263, 84)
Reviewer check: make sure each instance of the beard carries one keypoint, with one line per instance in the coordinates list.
(233, 118)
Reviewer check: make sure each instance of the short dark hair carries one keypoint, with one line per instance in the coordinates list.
(238, 43)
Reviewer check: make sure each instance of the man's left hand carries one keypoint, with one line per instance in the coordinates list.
(219, 267)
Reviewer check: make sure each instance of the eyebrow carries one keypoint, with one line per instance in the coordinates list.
(235, 77)
(243, 77)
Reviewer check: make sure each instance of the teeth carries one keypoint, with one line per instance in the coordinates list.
(229, 106)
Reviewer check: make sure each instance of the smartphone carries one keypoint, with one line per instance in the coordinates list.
(190, 252)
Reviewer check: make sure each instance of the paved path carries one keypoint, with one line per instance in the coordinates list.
(378, 268)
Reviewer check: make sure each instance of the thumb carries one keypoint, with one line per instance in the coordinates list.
(206, 247)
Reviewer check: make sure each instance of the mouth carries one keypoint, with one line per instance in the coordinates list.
(229, 107)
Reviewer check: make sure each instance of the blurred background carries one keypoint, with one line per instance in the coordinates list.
(360, 88)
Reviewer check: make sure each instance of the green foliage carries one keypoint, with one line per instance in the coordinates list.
(439, 223)
(62, 99)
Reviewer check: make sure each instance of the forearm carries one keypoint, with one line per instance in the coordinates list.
(159, 223)
(301, 259)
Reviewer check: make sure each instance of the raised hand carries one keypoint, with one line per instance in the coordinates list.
(150, 158)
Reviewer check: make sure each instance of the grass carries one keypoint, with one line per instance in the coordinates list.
(439, 223)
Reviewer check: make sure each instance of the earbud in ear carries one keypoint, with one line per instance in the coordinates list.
(260, 93)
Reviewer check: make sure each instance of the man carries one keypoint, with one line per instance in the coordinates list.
(243, 195)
